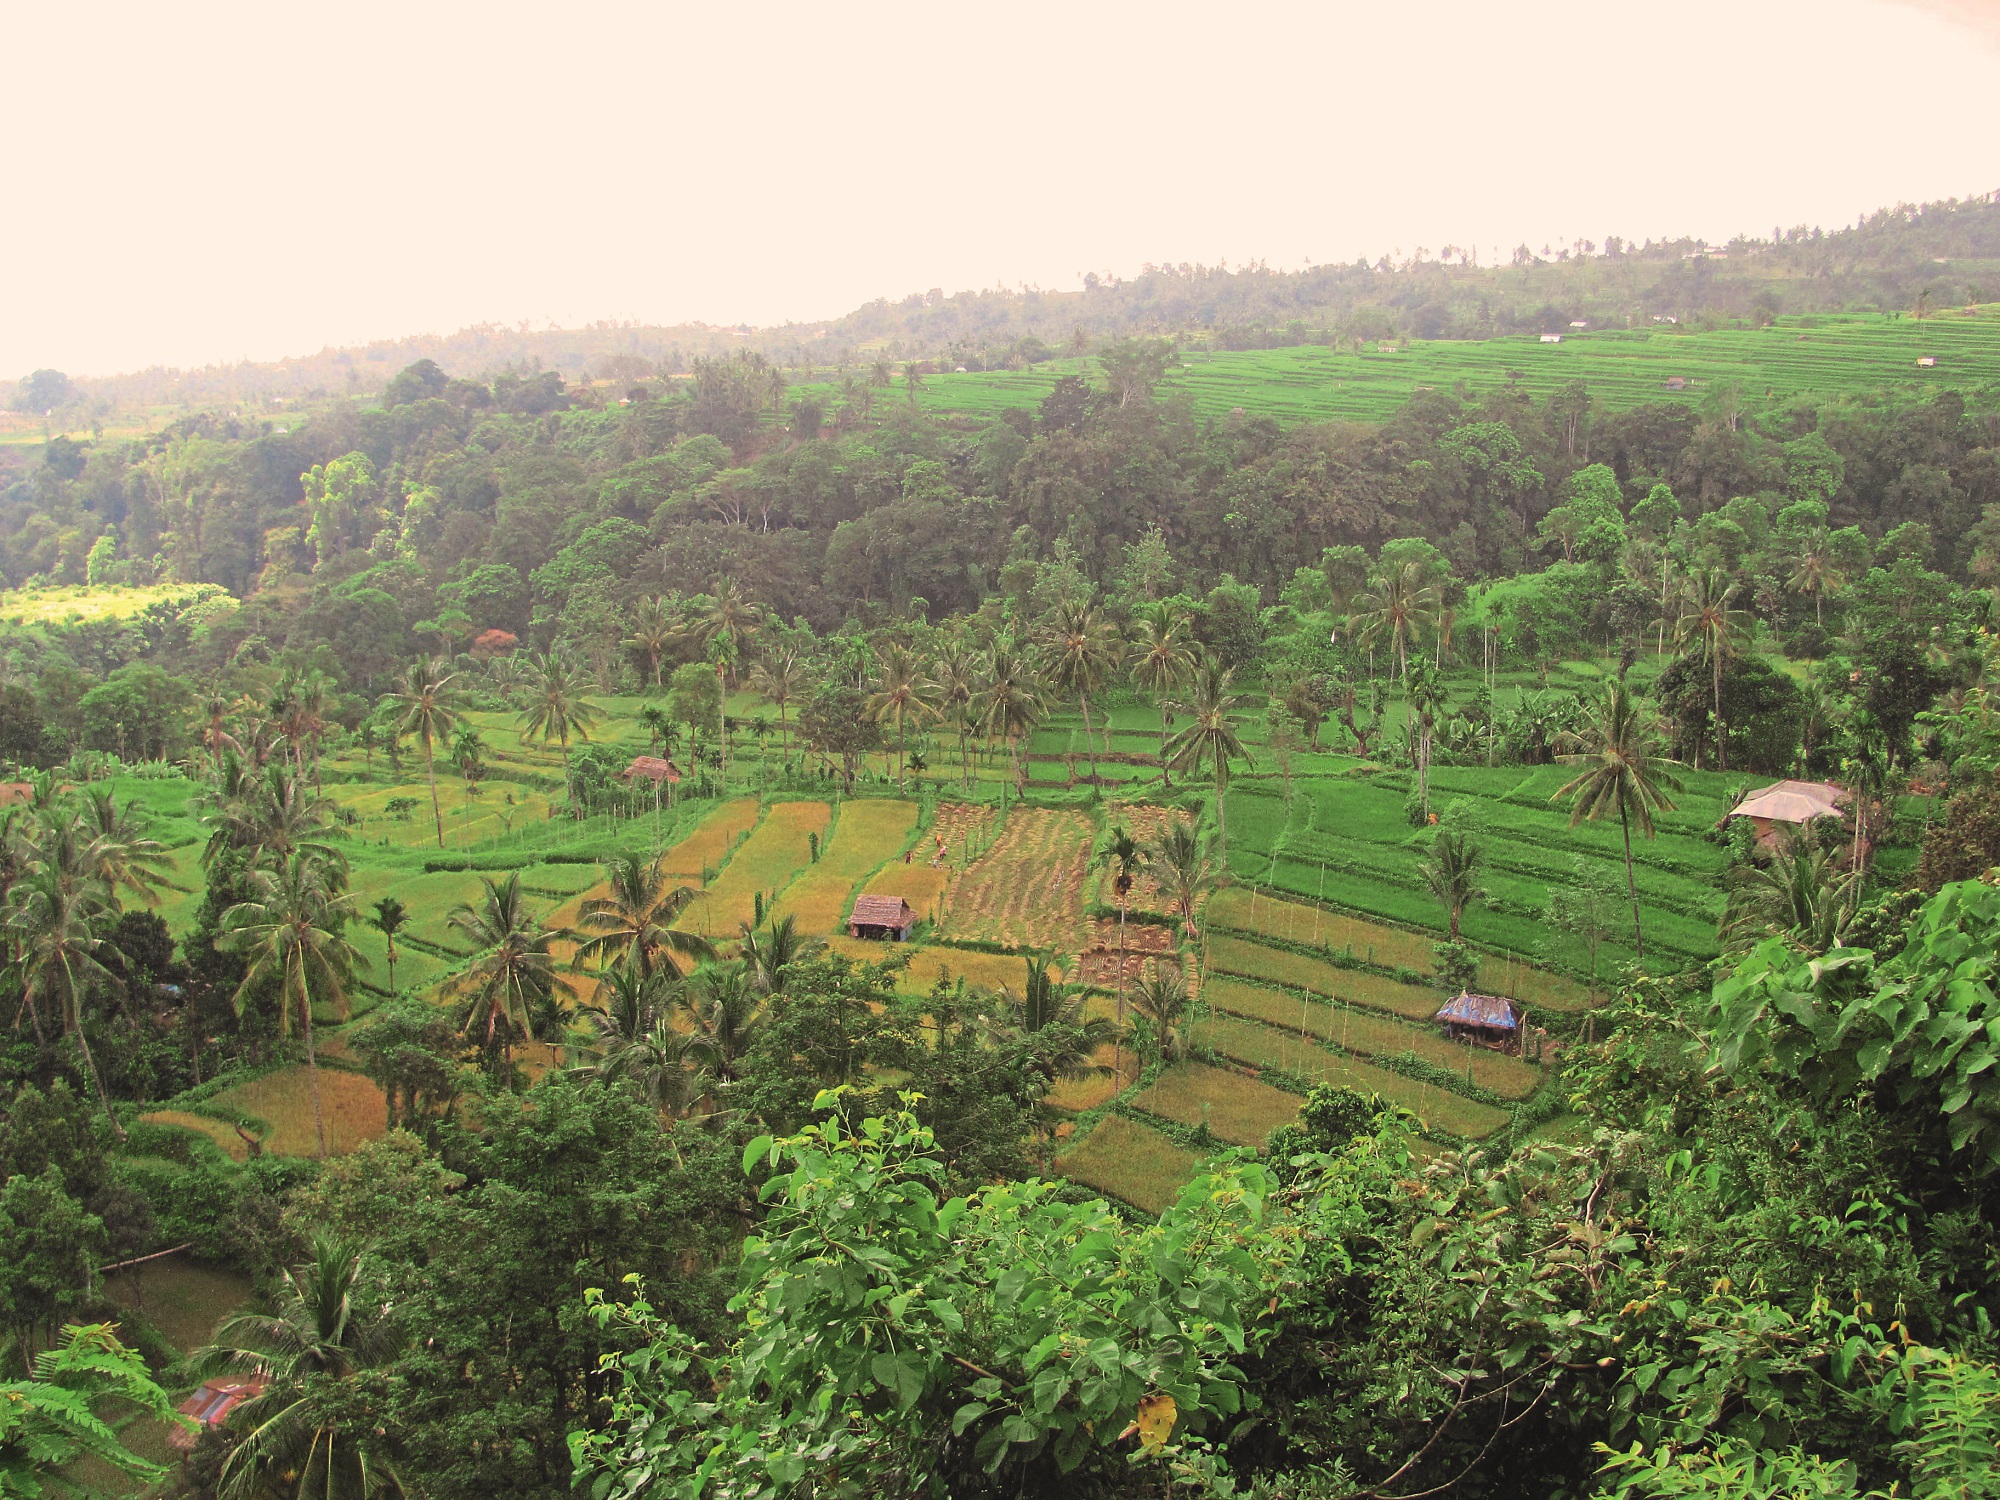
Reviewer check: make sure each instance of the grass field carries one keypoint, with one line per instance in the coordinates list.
(82, 602)
(1264, 1047)
(1240, 1110)
(1027, 888)
(768, 861)
(1231, 955)
(867, 833)
(1129, 1161)
(1827, 354)
(1372, 1035)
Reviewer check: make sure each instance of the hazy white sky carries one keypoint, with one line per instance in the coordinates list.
(203, 182)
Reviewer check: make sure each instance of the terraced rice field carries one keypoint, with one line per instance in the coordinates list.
(1027, 888)
(709, 845)
(990, 971)
(1244, 908)
(958, 832)
(1241, 1110)
(1372, 1035)
(1821, 354)
(1348, 837)
(1127, 1160)
(352, 1105)
(867, 833)
(778, 849)
(1264, 1047)
(1146, 823)
(1233, 955)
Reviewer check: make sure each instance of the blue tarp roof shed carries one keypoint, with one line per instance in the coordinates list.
(1494, 1012)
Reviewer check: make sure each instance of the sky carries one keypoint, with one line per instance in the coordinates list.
(201, 183)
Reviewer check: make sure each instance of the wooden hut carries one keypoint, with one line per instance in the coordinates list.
(1789, 802)
(652, 769)
(885, 919)
(211, 1406)
(1489, 1020)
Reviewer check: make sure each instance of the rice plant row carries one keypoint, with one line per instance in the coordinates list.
(1026, 890)
(1372, 1036)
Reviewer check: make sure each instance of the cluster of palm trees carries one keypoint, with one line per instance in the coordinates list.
(67, 859)
(1002, 693)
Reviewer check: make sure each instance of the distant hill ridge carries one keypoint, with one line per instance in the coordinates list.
(1941, 254)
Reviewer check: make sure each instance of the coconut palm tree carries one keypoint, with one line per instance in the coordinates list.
(1011, 704)
(726, 625)
(955, 674)
(1423, 687)
(1803, 891)
(634, 923)
(1815, 571)
(424, 699)
(1401, 606)
(1062, 1037)
(1721, 633)
(389, 919)
(902, 692)
(653, 632)
(1161, 661)
(1080, 649)
(299, 1436)
(119, 851)
(270, 816)
(665, 1064)
(59, 922)
(1210, 736)
(1451, 873)
(1182, 868)
(1162, 998)
(768, 955)
(290, 927)
(780, 675)
(1618, 771)
(1125, 855)
(557, 710)
(514, 977)
(723, 1003)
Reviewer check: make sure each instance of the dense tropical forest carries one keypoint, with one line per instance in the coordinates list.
(773, 933)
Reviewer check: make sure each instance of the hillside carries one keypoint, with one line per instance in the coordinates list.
(1939, 254)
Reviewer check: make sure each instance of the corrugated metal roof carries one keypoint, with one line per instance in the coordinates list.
(1493, 1011)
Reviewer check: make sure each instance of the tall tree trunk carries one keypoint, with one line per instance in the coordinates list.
(1721, 738)
(1088, 744)
(1631, 885)
(1221, 811)
(312, 1070)
(430, 775)
(97, 1078)
(1166, 775)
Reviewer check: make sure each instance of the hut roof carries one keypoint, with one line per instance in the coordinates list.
(1793, 802)
(212, 1404)
(653, 769)
(882, 911)
(1493, 1011)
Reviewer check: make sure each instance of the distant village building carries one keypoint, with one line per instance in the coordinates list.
(1792, 803)
(211, 1406)
(16, 793)
(1578, 323)
(653, 769)
(1926, 361)
(882, 918)
(1552, 338)
(1489, 1020)
(1677, 382)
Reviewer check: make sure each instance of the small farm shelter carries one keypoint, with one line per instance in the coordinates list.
(1677, 382)
(1552, 338)
(884, 918)
(1578, 323)
(1791, 802)
(1492, 1020)
(16, 793)
(652, 768)
(1926, 361)
(211, 1406)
